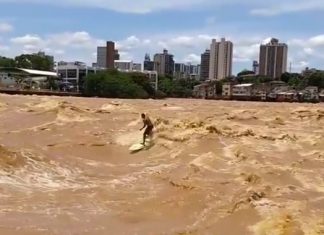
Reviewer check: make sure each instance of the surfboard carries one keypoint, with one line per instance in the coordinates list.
(138, 147)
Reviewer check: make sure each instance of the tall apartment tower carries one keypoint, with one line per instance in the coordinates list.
(110, 63)
(273, 59)
(164, 63)
(107, 55)
(221, 58)
(204, 65)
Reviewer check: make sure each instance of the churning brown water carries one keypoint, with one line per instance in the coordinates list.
(219, 168)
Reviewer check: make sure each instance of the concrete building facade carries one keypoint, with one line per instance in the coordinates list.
(204, 65)
(137, 67)
(221, 59)
(164, 63)
(101, 57)
(153, 78)
(124, 65)
(74, 72)
(255, 67)
(180, 71)
(111, 52)
(107, 55)
(149, 65)
(273, 59)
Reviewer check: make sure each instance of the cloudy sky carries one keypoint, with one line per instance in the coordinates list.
(72, 29)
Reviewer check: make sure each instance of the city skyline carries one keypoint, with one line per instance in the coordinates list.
(73, 32)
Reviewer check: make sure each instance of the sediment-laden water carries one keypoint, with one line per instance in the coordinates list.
(218, 168)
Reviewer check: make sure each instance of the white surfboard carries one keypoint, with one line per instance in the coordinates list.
(138, 147)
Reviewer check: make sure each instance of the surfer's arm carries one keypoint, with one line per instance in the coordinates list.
(143, 126)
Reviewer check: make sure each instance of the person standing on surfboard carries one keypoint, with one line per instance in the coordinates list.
(149, 127)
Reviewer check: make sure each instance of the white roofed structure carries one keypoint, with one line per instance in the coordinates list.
(28, 72)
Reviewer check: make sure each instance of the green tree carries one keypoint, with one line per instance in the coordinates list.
(286, 77)
(254, 79)
(113, 84)
(7, 62)
(141, 80)
(316, 79)
(245, 72)
(179, 88)
(37, 62)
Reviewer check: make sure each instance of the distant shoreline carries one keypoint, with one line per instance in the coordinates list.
(9, 91)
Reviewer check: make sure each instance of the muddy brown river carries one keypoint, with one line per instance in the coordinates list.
(215, 167)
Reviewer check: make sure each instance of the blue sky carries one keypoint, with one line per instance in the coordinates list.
(72, 29)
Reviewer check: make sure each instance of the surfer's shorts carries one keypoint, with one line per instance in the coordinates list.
(148, 130)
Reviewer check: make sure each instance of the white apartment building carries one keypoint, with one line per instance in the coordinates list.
(221, 59)
(242, 90)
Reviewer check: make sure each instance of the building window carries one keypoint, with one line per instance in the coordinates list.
(72, 73)
(62, 73)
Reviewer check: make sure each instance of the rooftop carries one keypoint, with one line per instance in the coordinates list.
(244, 85)
(29, 72)
(123, 61)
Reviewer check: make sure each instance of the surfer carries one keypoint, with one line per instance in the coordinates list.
(149, 127)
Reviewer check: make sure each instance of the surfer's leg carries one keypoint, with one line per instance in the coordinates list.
(144, 135)
(150, 134)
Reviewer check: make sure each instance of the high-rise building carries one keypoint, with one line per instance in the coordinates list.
(273, 59)
(101, 57)
(111, 54)
(117, 56)
(221, 58)
(194, 69)
(107, 55)
(164, 63)
(186, 71)
(255, 67)
(204, 65)
(148, 63)
(180, 71)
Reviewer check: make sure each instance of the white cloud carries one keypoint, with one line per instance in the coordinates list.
(186, 47)
(308, 51)
(129, 43)
(30, 49)
(5, 27)
(298, 65)
(192, 58)
(296, 42)
(27, 39)
(147, 41)
(80, 39)
(59, 52)
(317, 40)
(126, 55)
